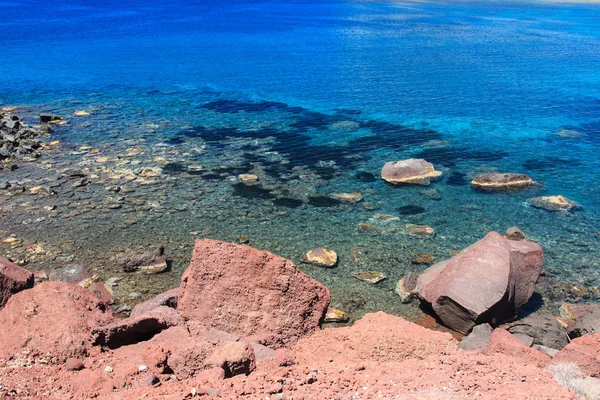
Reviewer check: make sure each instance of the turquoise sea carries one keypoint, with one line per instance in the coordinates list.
(313, 97)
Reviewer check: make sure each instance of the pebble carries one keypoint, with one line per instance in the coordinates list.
(108, 369)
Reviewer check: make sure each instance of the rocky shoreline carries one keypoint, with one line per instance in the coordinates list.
(245, 323)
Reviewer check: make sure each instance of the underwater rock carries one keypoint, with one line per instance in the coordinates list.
(248, 178)
(411, 209)
(420, 230)
(81, 113)
(345, 126)
(13, 279)
(321, 257)
(250, 293)
(406, 288)
(501, 182)
(372, 277)
(514, 233)
(431, 194)
(149, 261)
(422, 259)
(487, 282)
(50, 118)
(335, 315)
(413, 171)
(553, 203)
(348, 198)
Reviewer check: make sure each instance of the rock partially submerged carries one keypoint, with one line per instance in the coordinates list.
(411, 171)
(17, 140)
(321, 257)
(493, 182)
(13, 279)
(554, 203)
(250, 293)
(487, 282)
(149, 261)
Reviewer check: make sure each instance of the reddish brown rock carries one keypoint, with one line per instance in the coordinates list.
(233, 357)
(136, 329)
(13, 279)
(101, 292)
(487, 282)
(583, 351)
(503, 342)
(53, 318)
(73, 364)
(167, 299)
(415, 171)
(250, 293)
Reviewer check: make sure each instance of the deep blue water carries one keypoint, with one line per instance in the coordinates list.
(470, 86)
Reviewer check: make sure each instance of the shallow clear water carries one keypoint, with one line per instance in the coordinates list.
(314, 97)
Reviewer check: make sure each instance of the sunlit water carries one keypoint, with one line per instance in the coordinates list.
(313, 97)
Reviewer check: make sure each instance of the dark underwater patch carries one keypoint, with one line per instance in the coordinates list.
(235, 106)
(457, 179)
(365, 177)
(323, 201)
(251, 191)
(287, 202)
(450, 156)
(411, 209)
(548, 163)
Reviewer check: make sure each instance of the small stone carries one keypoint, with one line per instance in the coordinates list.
(406, 288)
(370, 276)
(147, 172)
(335, 315)
(242, 239)
(108, 369)
(422, 259)
(411, 171)
(248, 178)
(142, 368)
(321, 257)
(367, 227)
(420, 230)
(514, 233)
(73, 364)
(348, 198)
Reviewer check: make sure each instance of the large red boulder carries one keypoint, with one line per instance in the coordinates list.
(13, 279)
(52, 321)
(583, 351)
(250, 293)
(487, 282)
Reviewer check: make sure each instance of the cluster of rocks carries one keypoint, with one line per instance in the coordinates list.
(245, 323)
(17, 140)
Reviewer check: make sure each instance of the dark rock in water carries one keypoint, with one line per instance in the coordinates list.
(136, 260)
(252, 191)
(13, 279)
(366, 177)
(287, 202)
(4, 185)
(478, 339)
(411, 209)
(431, 194)
(487, 282)
(543, 329)
(73, 173)
(323, 201)
(45, 118)
(136, 329)
(457, 179)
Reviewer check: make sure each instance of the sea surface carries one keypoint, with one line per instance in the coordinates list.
(313, 97)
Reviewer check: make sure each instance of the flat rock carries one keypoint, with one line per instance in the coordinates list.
(348, 198)
(248, 178)
(369, 276)
(168, 299)
(420, 230)
(543, 329)
(477, 339)
(13, 279)
(251, 293)
(321, 257)
(554, 203)
(411, 171)
(501, 182)
(52, 320)
(487, 282)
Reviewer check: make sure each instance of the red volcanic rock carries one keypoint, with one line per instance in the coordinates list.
(504, 342)
(73, 364)
(136, 329)
(53, 318)
(376, 337)
(101, 292)
(168, 299)
(234, 358)
(250, 293)
(487, 282)
(583, 351)
(13, 279)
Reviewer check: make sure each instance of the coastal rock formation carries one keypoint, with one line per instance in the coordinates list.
(554, 203)
(414, 170)
(250, 293)
(542, 329)
(321, 257)
(17, 140)
(51, 321)
(13, 279)
(493, 182)
(583, 351)
(487, 282)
